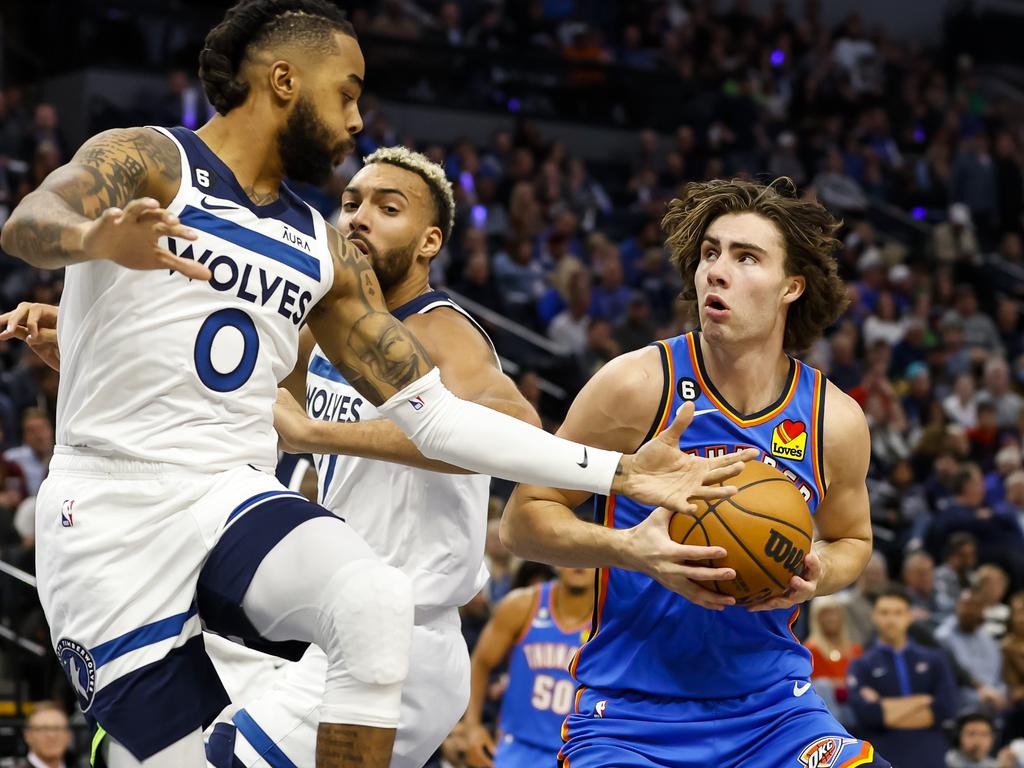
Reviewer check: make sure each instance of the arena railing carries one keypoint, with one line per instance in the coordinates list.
(28, 656)
(524, 336)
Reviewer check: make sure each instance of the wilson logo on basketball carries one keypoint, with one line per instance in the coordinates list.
(784, 552)
(823, 753)
(789, 439)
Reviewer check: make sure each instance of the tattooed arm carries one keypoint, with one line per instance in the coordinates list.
(374, 351)
(107, 203)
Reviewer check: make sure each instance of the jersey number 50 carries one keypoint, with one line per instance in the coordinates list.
(552, 694)
(213, 325)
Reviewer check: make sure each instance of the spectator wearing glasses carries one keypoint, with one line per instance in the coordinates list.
(48, 736)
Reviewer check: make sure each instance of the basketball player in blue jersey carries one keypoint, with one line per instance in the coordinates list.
(190, 268)
(675, 674)
(539, 629)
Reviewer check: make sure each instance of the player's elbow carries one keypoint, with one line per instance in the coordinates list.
(510, 528)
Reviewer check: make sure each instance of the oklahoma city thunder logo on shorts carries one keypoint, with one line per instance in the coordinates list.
(824, 752)
(80, 669)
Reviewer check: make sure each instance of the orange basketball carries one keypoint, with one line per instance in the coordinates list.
(765, 530)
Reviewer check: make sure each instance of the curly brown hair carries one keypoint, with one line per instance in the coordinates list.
(808, 231)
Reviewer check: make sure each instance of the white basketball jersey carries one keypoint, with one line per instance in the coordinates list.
(158, 367)
(430, 525)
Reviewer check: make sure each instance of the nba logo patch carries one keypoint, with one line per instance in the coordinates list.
(66, 517)
(417, 403)
(789, 439)
(80, 668)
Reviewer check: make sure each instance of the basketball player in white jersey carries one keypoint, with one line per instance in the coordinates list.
(429, 521)
(190, 269)
(426, 521)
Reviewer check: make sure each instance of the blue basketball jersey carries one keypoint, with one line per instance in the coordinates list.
(649, 640)
(540, 689)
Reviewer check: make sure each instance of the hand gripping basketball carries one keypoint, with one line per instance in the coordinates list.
(662, 475)
(130, 237)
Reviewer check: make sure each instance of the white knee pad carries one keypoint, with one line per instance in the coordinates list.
(370, 607)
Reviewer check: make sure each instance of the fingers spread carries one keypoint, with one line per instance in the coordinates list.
(682, 420)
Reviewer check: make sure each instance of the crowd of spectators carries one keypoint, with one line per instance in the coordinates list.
(931, 345)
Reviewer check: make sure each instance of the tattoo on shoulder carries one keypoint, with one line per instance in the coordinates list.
(116, 165)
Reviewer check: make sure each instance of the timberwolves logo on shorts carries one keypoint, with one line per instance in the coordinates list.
(80, 668)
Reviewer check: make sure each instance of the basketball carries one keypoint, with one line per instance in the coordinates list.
(765, 530)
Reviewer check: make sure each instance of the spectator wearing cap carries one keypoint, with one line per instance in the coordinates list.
(975, 737)
(953, 240)
(976, 651)
(902, 692)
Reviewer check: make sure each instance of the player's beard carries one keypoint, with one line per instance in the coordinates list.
(307, 149)
(390, 266)
(393, 266)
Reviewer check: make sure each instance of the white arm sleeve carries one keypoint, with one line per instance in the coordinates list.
(483, 440)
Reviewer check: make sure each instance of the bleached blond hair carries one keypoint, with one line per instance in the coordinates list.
(432, 175)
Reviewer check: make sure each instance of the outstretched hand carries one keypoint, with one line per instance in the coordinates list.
(661, 475)
(130, 237)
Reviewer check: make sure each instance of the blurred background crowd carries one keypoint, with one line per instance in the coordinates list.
(915, 143)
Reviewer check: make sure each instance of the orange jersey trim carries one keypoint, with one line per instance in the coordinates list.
(691, 342)
(791, 622)
(818, 404)
(602, 588)
(666, 415)
(866, 755)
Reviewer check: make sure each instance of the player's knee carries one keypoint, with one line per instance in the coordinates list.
(367, 621)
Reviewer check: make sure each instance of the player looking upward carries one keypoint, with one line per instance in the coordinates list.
(675, 674)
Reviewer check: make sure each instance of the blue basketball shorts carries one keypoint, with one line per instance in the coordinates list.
(784, 726)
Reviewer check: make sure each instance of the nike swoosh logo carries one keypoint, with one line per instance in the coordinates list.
(799, 689)
(583, 464)
(703, 411)
(211, 207)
